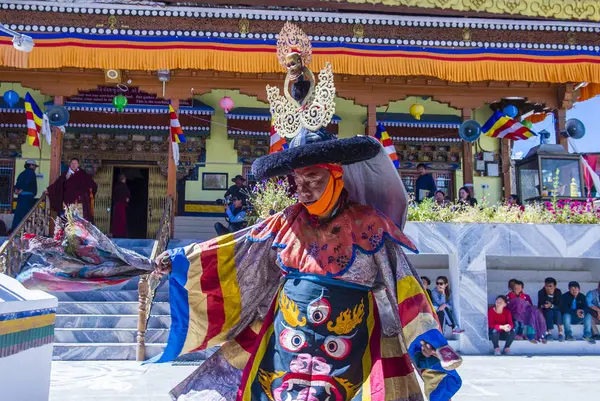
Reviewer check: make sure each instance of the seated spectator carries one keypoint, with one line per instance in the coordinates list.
(511, 284)
(593, 303)
(465, 198)
(514, 201)
(235, 216)
(549, 304)
(517, 292)
(426, 284)
(440, 198)
(501, 325)
(574, 308)
(442, 302)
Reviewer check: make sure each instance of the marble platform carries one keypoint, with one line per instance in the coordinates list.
(468, 248)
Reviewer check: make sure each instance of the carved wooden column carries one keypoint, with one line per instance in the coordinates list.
(371, 119)
(467, 153)
(505, 152)
(142, 318)
(56, 147)
(172, 169)
(560, 121)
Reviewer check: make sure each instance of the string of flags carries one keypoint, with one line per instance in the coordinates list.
(500, 125)
(277, 143)
(384, 138)
(177, 136)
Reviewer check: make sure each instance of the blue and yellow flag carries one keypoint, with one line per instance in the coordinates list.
(34, 120)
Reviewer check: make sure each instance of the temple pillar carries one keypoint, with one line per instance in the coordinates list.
(172, 171)
(505, 152)
(467, 153)
(560, 121)
(371, 119)
(56, 147)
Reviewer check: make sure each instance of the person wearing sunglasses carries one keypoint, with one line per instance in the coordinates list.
(442, 301)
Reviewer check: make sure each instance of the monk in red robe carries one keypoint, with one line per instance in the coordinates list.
(74, 186)
(121, 197)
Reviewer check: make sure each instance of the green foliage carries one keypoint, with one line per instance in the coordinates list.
(269, 197)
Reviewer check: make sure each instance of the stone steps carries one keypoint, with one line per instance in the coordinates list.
(102, 351)
(199, 228)
(108, 308)
(110, 321)
(108, 335)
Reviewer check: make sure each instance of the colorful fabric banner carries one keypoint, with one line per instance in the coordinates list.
(502, 126)
(34, 120)
(177, 136)
(383, 137)
(457, 64)
(277, 143)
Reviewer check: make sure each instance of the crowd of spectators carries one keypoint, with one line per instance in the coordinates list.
(515, 317)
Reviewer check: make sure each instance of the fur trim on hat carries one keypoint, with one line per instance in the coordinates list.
(338, 151)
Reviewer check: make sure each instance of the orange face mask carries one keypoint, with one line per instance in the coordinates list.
(330, 196)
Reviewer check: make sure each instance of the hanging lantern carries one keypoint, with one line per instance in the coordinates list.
(416, 110)
(11, 98)
(120, 102)
(226, 104)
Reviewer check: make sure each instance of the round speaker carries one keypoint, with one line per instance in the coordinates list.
(469, 131)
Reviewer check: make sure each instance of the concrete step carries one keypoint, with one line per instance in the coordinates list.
(109, 296)
(196, 227)
(102, 351)
(578, 348)
(107, 335)
(109, 308)
(110, 321)
(531, 276)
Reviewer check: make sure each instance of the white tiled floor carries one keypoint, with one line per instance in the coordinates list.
(484, 378)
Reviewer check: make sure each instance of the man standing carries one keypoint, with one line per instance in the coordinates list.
(74, 186)
(239, 190)
(575, 310)
(425, 185)
(120, 199)
(593, 302)
(26, 189)
(549, 304)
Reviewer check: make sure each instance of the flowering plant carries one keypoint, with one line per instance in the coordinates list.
(269, 197)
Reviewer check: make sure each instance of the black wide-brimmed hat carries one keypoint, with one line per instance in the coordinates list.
(238, 177)
(311, 148)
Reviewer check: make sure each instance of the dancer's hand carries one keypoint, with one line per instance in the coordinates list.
(163, 264)
(427, 349)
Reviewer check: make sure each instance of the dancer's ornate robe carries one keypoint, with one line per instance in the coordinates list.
(307, 311)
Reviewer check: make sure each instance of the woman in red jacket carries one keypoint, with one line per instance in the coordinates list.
(501, 325)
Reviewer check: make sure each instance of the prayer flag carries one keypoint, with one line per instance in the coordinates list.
(277, 143)
(34, 120)
(502, 126)
(177, 136)
(383, 137)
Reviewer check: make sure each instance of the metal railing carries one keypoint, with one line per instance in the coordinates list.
(148, 283)
(37, 221)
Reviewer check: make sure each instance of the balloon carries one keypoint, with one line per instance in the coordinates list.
(575, 128)
(511, 110)
(11, 98)
(226, 104)
(416, 110)
(527, 123)
(469, 131)
(120, 102)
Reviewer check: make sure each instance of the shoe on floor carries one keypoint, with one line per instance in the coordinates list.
(570, 338)
(518, 338)
(507, 351)
(457, 331)
(497, 352)
(561, 338)
(590, 340)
